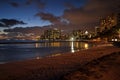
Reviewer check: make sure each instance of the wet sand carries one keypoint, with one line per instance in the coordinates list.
(53, 68)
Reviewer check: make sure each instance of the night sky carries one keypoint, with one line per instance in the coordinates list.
(64, 14)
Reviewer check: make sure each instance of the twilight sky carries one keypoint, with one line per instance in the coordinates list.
(64, 14)
(26, 10)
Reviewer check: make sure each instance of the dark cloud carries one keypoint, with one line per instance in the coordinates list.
(91, 12)
(10, 22)
(86, 16)
(14, 4)
(40, 4)
(1, 24)
(69, 6)
(103, 6)
(49, 17)
(77, 16)
(28, 2)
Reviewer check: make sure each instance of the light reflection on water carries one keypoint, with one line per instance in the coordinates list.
(76, 46)
(16, 52)
(86, 46)
(72, 47)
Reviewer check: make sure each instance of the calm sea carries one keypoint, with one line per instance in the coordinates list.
(18, 52)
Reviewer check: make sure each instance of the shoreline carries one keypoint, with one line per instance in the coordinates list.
(42, 41)
(47, 41)
(59, 54)
(52, 67)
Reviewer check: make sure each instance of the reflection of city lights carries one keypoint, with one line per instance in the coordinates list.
(86, 46)
(58, 54)
(55, 44)
(36, 45)
(37, 57)
(77, 45)
(72, 47)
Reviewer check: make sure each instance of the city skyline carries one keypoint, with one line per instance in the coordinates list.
(62, 14)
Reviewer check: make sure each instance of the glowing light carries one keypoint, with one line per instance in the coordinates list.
(86, 46)
(86, 32)
(37, 57)
(112, 39)
(72, 47)
(116, 40)
(72, 39)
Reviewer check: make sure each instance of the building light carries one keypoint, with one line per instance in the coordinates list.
(72, 39)
(116, 40)
(86, 32)
(86, 46)
(112, 39)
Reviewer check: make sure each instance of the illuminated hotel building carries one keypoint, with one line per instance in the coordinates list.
(111, 22)
(52, 34)
(108, 22)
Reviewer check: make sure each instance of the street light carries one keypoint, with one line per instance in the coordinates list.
(72, 39)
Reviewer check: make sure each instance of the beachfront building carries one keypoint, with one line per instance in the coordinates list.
(81, 35)
(108, 22)
(109, 27)
(78, 34)
(51, 34)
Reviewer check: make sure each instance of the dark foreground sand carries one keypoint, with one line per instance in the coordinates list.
(71, 66)
(104, 68)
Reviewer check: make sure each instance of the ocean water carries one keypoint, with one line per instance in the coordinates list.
(18, 52)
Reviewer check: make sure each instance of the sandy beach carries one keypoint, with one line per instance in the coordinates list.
(104, 68)
(65, 66)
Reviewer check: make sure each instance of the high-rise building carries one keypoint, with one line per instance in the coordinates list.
(110, 26)
(52, 34)
(108, 22)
